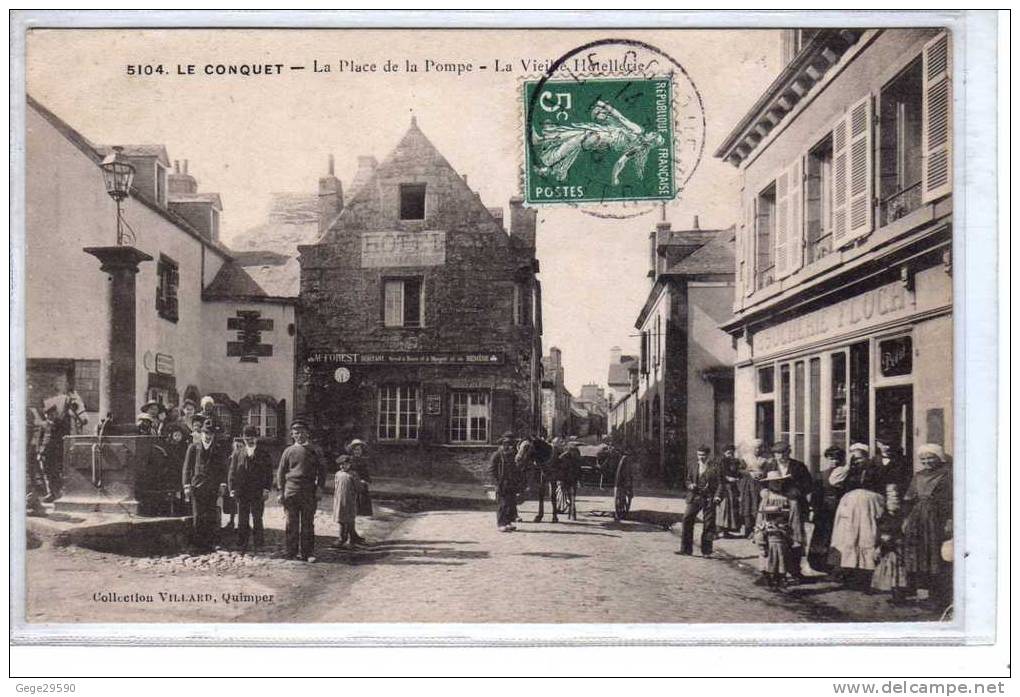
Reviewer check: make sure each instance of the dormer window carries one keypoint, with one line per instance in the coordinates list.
(412, 202)
(161, 185)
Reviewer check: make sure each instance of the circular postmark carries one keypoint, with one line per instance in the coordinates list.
(613, 127)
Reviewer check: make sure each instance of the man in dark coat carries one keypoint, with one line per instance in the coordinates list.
(506, 477)
(300, 475)
(799, 486)
(51, 454)
(204, 477)
(249, 480)
(704, 491)
(567, 470)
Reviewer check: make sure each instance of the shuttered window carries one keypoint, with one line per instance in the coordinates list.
(402, 302)
(937, 121)
(765, 236)
(746, 270)
(859, 176)
(818, 199)
(899, 142)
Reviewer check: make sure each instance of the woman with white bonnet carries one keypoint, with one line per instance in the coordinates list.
(929, 513)
(854, 549)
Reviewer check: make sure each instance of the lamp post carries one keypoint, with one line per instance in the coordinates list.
(117, 175)
(120, 262)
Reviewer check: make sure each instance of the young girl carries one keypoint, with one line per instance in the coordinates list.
(345, 502)
(776, 531)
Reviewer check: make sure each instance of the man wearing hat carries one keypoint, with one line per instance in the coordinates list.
(800, 486)
(567, 470)
(300, 475)
(506, 476)
(704, 491)
(249, 480)
(204, 471)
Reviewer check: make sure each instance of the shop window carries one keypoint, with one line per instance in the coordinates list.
(262, 414)
(399, 412)
(766, 380)
(784, 403)
(859, 393)
(765, 422)
(895, 357)
(224, 416)
(815, 411)
(818, 200)
(765, 228)
(168, 280)
(840, 412)
(797, 398)
(403, 303)
(412, 202)
(900, 144)
(469, 417)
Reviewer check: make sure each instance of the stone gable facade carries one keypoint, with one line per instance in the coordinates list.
(460, 369)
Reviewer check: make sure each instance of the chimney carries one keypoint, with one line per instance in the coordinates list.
(522, 223)
(331, 198)
(366, 170)
(555, 356)
(615, 355)
(695, 226)
(662, 230)
(497, 213)
(181, 182)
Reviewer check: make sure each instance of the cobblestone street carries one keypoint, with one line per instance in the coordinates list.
(433, 561)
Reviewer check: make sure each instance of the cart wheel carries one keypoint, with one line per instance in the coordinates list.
(622, 498)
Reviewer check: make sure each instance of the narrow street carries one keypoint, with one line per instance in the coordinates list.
(427, 564)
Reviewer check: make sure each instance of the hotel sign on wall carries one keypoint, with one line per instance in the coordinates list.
(404, 358)
(395, 249)
(875, 307)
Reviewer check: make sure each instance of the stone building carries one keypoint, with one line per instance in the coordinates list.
(843, 312)
(684, 395)
(622, 379)
(420, 322)
(556, 397)
(203, 325)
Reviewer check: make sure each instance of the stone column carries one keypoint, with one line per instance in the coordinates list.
(117, 374)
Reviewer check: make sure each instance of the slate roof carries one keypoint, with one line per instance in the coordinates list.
(619, 373)
(233, 281)
(197, 198)
(278, 280)
(716, 256)
(144, 150)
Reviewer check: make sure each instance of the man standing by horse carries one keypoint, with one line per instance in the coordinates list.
(506, 476)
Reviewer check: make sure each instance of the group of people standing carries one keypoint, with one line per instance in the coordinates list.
(218, 479)
(878, 523)
(546, 468)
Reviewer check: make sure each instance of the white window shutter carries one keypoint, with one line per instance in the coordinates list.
(750, 245)
(840, 192)
(860, 178)
(780, 226)
(795, 226)
(740, 258)
(937, 119)
(393, 315)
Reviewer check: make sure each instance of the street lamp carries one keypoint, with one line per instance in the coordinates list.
(117, 175)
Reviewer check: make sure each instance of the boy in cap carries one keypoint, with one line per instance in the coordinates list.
(249, 480)
(300, 475)
(799, 485)
(704, 491)
(505, 475)
(204, 472)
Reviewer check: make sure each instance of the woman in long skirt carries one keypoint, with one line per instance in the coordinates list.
(727, 514)
(929, 505)
(825, 511)
(855, 539)
(345, 502)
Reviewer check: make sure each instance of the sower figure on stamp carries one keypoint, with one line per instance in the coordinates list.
(703, 493)
(299, 477)
(504, 473)
(204, 468)
(249, 480)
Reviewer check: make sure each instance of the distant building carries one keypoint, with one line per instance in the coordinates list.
(622, 379)
(685, 386)
(556, 398)
(204, 326)
(420, 324)
(843, 313)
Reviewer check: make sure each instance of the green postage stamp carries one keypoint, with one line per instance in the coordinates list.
(599, 140)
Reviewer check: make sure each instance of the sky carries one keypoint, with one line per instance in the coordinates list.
(249, 136)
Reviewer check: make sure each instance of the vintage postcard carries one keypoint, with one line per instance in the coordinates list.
(537, 326)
